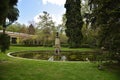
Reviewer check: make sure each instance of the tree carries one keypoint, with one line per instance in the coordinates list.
(106, 16)
(9, 13)
(90, 37)
(31, 29)
(17, 27)
(61, 27)
(23, 29)
(14, 28)
(74, 23)
(3, 10)
(46, 25)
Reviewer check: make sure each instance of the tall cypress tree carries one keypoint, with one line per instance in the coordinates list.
(74, 23)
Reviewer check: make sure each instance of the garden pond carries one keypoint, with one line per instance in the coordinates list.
(67, 55)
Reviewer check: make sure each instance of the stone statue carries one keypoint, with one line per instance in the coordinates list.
(57, 44)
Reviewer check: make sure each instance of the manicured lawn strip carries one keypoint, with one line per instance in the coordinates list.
(20, 69)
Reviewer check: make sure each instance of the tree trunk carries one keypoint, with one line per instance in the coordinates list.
(4, 30)
(4, 26)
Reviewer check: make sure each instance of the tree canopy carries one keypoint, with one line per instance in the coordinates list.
(45, 26)
(31, 29)
(106, 15)
(74, 23)
(9, 12)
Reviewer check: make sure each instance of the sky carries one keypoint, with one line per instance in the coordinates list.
(30, 9)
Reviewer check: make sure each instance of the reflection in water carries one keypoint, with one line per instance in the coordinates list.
(59, 58)
(63, 58)
(51, 58)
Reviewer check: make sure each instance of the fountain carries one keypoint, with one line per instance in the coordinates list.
(57, 44)
(57, 56)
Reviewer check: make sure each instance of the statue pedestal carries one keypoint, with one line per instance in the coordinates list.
(57, 45)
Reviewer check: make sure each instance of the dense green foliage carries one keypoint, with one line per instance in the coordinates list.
(3, 10)
(106, 16)
(74, 23)
(90, 37)
(4, 42)
(31, 29)
(17, 27)
(9, 12)
(45, 28)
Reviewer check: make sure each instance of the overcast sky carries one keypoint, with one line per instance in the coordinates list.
(30, 9)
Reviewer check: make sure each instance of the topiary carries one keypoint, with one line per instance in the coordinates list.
(4, 42)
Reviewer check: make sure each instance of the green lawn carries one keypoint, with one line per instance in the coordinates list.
(22, 69)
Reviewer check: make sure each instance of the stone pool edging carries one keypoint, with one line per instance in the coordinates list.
(9, 54)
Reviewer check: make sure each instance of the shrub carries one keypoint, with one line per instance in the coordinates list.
(64, 45)
(4, 42)
(85, 46)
